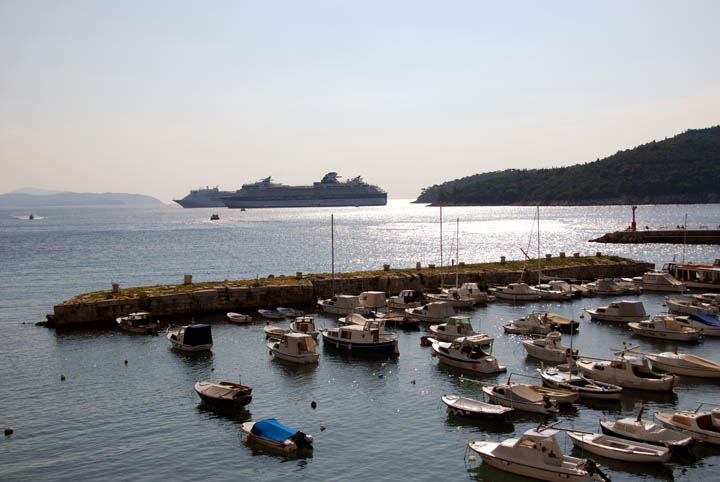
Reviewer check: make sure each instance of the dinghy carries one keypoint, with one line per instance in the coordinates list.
(224, 395)
(549, 348)
(467, 407)
(238, 317)
(275, 436)
(274, 331)
(537, 454)
(519, 397)
(271, 314)
(290, 312)
(618, 448)
(587, 389)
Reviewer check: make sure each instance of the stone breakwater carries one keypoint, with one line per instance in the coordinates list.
(305, 292)
(675, 236)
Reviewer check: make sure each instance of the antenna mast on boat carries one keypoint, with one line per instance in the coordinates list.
(538, 226)
(441, 250)
(457, 250)
(684, 237)
(332, 251)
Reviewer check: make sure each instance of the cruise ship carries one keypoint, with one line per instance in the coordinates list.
(328, 192)
(203, 198)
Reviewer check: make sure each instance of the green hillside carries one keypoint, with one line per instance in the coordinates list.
(683, 169)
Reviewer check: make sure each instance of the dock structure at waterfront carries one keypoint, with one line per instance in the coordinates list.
(189, 299)
(667, 236)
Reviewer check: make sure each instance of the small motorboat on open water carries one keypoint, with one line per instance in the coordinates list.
(191, 338)
(645, 431)
(294, 347)
(537, 454)
(515, 292)
(456, 327)
(619, 448)
(305, 325)
(702, 426)
(472, 353)
(468, 407)
(275, 436)
(238, 317)
(138, 322)
(665, 327)
(224, 395)
(549, 348)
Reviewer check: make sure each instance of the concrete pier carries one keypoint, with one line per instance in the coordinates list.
(223, 297)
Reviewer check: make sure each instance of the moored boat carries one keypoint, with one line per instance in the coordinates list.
(343, 305)
(456, 327)
(362, 339)
(709, 325)
(191, 338)
(515, 292)
(627, 372)
(587, 389)
(536, 322)
(684, 364)
(620, 311)
(468, 407)
(294, 347)
(271, 314)
(274, 331)
(305, 325)
(537, 454)
(273, 435)
(611, 287)
(289, 312)
(224, 395)
(665, 327)
(238, 317)
(645, 431)
(405, 299)
(138, 322)
(549, 348)
(473, 353)
(520, 397)
(702, 426)
(619, 448)
(659, 281)
(436, 312)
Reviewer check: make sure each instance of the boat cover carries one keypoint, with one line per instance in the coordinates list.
(706, 319)
(198, 335)
(272, 429)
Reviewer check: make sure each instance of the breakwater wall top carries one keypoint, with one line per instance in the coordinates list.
(199, 298)
(673, 236)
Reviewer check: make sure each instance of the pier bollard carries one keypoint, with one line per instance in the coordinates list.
(116, 288)
(502, 259)
(187, 279)
(548, 256)
(386, 267)
(576, 255)
(298, 275)
(562, 254)
(418, 266)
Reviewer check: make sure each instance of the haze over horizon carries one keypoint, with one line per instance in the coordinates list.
(158, 98)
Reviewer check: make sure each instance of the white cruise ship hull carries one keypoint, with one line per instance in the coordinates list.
(235, 203)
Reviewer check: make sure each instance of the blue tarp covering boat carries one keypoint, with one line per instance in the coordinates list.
(706, 319)
(272, 429)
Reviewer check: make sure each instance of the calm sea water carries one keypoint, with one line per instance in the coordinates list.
(143, 421)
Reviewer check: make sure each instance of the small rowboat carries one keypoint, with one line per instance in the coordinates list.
(467, 407)
(618, 448)
(238, 317)
(520, 397)
(274, 331)
(275, 436)
(587, 389)
(224, 395)
(272, 314)
(559, 395)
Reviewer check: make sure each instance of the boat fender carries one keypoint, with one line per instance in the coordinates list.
(337, 344)
(474, 366)
(472, 458)
(349, 346)
(269, 352)
(249, 437)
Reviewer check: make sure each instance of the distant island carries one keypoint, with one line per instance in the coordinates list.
(681, 170)
(32, 197)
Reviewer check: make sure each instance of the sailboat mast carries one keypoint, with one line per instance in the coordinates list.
(441, 247)
(538, 226)
(332, 250)
(457, 250)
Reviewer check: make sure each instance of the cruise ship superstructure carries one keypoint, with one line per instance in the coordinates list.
(328, 192)
(203, 198)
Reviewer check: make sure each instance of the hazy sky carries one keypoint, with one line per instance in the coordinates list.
(156, 98)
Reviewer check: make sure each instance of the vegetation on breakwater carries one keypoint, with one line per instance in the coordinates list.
(281, 280)
(683, 169)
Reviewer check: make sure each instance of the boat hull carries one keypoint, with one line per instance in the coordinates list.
(672, 444)
(236, 404)
(478, 366)
(691, 430)
(664, 334)
(465, 407)
(689, 370)
(539, 352)
(303, 359)
(586, 393)
(604, 445)
(236, 203)
(381, 347)
(662, 384)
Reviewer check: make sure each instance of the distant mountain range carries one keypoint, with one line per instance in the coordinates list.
(32, 197)
(683, 169)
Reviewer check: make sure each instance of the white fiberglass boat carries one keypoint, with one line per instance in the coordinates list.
(362, 339)
(621, 311)
(611, 287)
(658, 281)
(515, 292)
(700, 425)
(684, 364)
(436, 312)
(453, 299)
(191, 338)
(456, 327)
(472, 353)
(520, 397)
(536, 322)
(627, 372)
(645, 431)
(275, 436)
(665, 327)
(467, 407)
(709, 325)
(238, 317)
(405, 299)
(549, 348)
(537, 454)
(587, 389)
(304, 325)
(618, 448)
(343, 305)
(689, 305)
(294, 347)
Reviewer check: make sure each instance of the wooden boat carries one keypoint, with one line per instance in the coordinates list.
(562, 397)
(587, 389)
(467, 407)
(435, 312)
(702, 426)
(362, 339)
(536, 322)
(659, 281)
(689, 305)
(274, 331)
(515, 292)
(224, 395)
(473, 353)
(271, 314)
(305, 325)
(275, 436)
(138, 322)
(684, 364)
(640, 430)
(453, 299)
(562, 324)
(343, 305)
(611, 287)
(405, 299)
(549, 348)
(192, 338)
(294, 347)
(665, 327)
(456, 327)
(619, 448)
(238, 317)
(289, 312)
(709, 325)
(627, 372)
(520, 397)
(536, 454)
(621, 311)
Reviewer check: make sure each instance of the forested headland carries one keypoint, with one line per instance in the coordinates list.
(684, 169)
